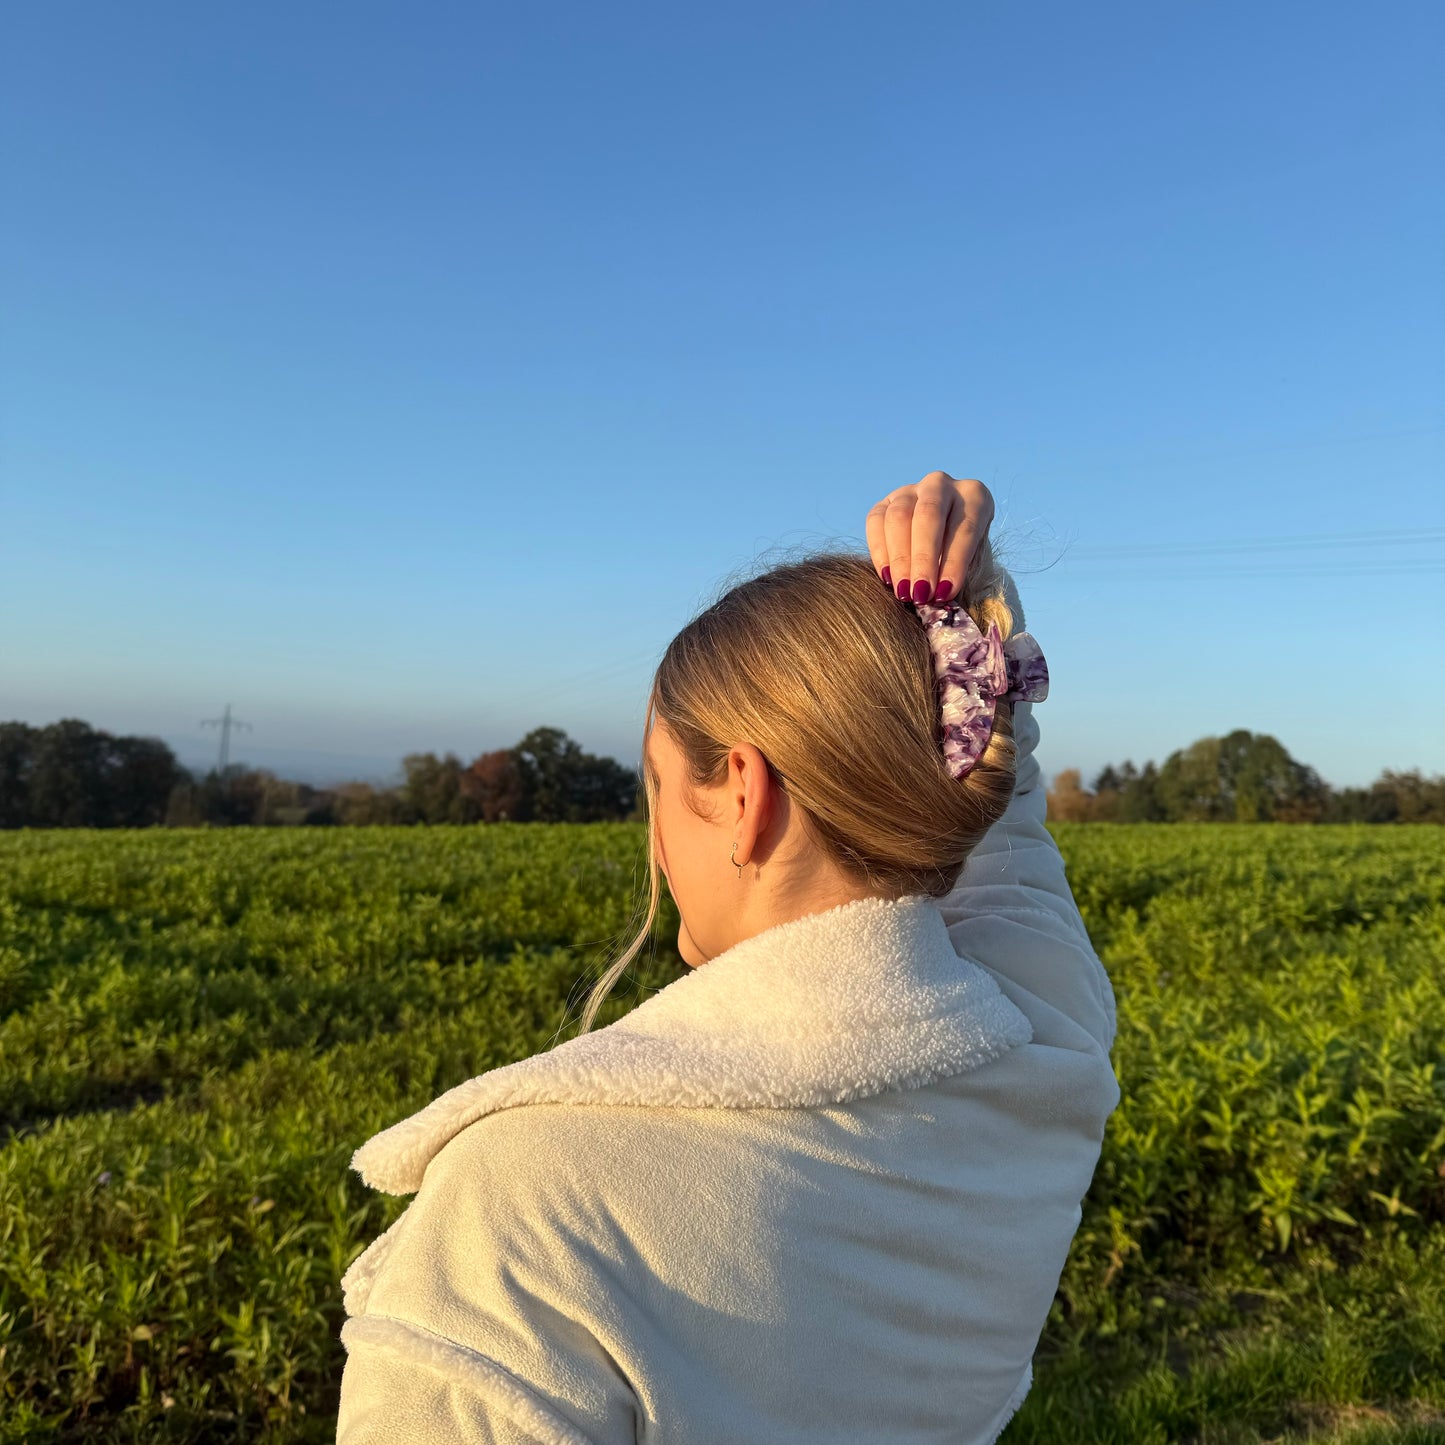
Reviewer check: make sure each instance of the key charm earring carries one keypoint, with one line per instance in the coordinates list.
(735, 862)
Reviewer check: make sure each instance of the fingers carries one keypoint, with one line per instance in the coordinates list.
(898, 528)
(877, 540)
(934, 505)
(890, 538)
(923, 538)
(968, 526)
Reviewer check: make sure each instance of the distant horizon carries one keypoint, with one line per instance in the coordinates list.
(324, 768)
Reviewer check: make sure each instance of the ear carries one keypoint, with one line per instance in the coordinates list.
(758, 782)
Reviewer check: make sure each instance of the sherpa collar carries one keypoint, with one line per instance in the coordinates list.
(838, 1005)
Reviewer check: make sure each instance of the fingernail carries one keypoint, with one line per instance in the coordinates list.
(903, 590)
(921, 589)
(887, 576)
(944, 588)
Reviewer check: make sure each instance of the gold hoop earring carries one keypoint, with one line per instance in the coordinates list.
(735, 862)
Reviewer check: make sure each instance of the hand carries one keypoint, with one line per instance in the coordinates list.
(923, 538)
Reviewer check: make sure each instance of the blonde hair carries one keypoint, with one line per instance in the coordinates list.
(831, 678)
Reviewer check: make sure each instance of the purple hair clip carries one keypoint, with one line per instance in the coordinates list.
(974, 672)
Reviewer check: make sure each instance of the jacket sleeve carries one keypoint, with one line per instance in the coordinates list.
(405, 1385)
(1012, 909)
(472, 1325)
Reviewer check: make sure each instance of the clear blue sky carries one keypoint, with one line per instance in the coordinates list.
(409, 375)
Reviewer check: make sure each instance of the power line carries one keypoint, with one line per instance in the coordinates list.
(573, 686)
(1422, 536)
(1266, 572)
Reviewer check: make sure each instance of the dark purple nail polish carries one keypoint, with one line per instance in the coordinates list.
(888, 577)
(944, 588)
(903, 590)
(921, 589)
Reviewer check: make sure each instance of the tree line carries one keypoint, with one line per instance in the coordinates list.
(71, 775)
(1242, 777)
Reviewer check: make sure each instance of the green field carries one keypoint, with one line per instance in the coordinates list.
(198, 1027)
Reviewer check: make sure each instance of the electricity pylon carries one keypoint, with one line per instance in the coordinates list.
(225, 722)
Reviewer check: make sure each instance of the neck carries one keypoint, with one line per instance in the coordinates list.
(762, 910)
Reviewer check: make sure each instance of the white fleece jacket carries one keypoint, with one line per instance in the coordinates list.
(820, 1189)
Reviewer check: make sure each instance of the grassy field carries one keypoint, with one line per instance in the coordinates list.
(198, 1027)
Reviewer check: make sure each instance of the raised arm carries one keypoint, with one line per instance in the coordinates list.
(1012, 909)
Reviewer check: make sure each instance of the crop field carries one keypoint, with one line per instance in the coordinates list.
(198, 1027)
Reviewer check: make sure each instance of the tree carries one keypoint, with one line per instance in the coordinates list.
(1139, 797)
(1243, 777)
(1109, 789)
(142, 773)
(1189, 786)
(1263, 779)
(1067, 802)
(603, 791)
(183, 807)
(67, 777)
(432, 791)
(547, 760)
(17, 749)
(287, 804)
(361, 805)
(1415, 798)
(562, 784)
(232, 799)
(1110, 780)
(494, 783)
(71, 775)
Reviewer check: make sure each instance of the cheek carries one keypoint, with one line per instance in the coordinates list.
(657, 832)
